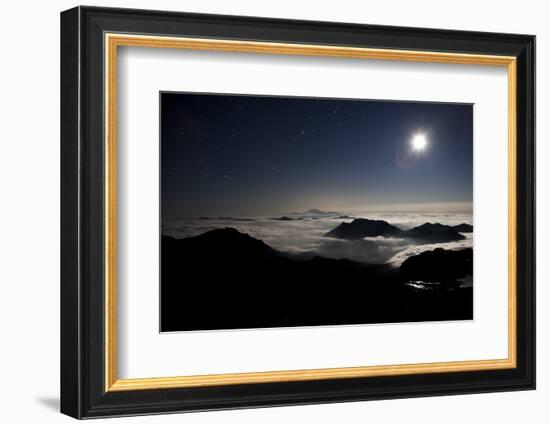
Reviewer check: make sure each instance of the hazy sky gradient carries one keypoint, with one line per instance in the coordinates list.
(226, 155)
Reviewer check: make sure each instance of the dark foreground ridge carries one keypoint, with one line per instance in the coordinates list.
(224, 279)
(427, 233)
(438, 266)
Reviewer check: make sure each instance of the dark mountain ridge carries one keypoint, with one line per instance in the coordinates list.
(433, 233)
(316, 211)
(227, 242)
(438, 265)
(363, 227)
(464, 228)
(224, 279)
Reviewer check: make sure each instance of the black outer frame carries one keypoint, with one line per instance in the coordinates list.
(82, 212)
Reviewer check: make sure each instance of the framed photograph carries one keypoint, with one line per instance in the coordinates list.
(261, 212)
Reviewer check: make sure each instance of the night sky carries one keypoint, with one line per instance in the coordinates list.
(234, 155)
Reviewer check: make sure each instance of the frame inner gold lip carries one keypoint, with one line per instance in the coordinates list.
(113, 41)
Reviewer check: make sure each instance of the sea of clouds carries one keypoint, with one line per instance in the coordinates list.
(304, 234)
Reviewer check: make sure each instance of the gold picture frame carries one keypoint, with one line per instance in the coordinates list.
(91, 40)
(114, 41)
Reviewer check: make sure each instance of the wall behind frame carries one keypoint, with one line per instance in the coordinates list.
(29, 217)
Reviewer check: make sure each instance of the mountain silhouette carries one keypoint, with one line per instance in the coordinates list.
(361, 228)
(464, 228)
(320, 213)
(439, 265)
(227, 242)
(434, 233)
(225, 279)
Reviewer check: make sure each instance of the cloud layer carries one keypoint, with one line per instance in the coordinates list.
(304, 234)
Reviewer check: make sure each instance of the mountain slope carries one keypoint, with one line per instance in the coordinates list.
(439, 265)
(224, 279)
(361, 228)
(434, 233)
(464, 228)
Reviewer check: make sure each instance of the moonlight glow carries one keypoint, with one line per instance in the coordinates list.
(419, 142)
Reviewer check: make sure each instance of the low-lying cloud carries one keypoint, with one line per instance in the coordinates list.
(307, 235)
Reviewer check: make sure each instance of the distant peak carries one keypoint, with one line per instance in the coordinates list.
(435, 232)
(368, 220)
(433, 227)
(464, 228)
(317, 211)
(361, 228)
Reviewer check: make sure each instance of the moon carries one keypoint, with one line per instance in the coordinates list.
(419, 142)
